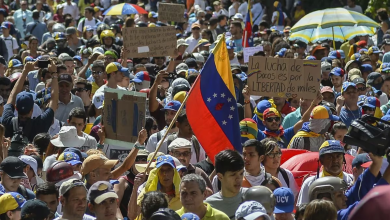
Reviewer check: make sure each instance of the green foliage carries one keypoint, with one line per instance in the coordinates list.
(374, 5)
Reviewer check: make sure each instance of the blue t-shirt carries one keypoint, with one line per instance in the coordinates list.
(288, 135)
(238, 43)
(347, 116)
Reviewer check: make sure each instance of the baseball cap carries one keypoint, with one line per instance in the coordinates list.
(310, 58)
(100, 191)
(359, 80)
(373, 49)
(72, 158)
(372, 77)
(342, 54)
(198, 57)
(98, 50)
(284, 200)
(251, 210)
(29, 160)
(166, 214)
(179, 143)
(327, 89)
(209, 8)
(141, 76)
(353, 73)
(356, 56)
(216, 3)
(35, 209)
(316, 47)
(65, 78)
(385, 67)
(238, 16)
(98, 100)
(142, 167)
(287, 29)
(370, 102)
(195, 25)
(115, 66)
(334, 54)
(192, 72)
(361, 159)
(14, 63)
(13, 167)
(6, 25)
(366, 68)
(143, 152)
(230, 44)
(361, 99)
(95, 161)
(70, 31)
(203, 42)
(191, 63)
(152, 14)
(235, 67)
(331, 146)
(181, 42)
(11, 201)
(74, 150)
(165, 159)
(67, 137)
(24, 102)
(337, 71)
(70, 184)
(172, 105)
(190, 216)
(182, 67)
(326, 66)
(301, 44)
(323, 112)
(346, 85)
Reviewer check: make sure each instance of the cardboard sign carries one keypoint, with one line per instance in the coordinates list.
(123, 114)
(281, 77)
(171, 12)
(249, 51)
(149, 42)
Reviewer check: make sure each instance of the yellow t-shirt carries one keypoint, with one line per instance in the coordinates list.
(299, 14)
(211, 214)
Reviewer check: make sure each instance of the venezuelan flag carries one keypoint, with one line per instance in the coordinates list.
(247, 39)
(211, 106)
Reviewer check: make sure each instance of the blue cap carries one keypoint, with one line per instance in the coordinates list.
(346, 85)
(115, 66)
(6, 25)
(310, 58)
(76, 151)
(192, 72)
(190, 215)
(370, 102)
(366, 68)
(334, 54)
(356, 56)
(77, 58)
(14, 63)
(172, 105)
(24, 102)
(364, 50)
(89, 28)
(284, 200)
(242, 76)
(360, 159)
(337, 71)
(141, 76)
(331, 146)
(281, 52)
(72, 158)
(386, 118)
(342, 54)
(384, 67)
(361, 99)
(153, 14)
(327, 59)
(166, 159)
(230, 44)
(373, 49)
(209, 8)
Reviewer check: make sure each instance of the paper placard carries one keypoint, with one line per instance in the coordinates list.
(249, 51)
(149, 42)
(171, 12)
(123, 114)
(281, 77)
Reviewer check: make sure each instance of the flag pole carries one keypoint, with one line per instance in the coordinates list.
(245, 38)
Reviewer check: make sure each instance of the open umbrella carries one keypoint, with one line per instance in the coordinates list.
(341, 34)
(124, 9)
(332, 17)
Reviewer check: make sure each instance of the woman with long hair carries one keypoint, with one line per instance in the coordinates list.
(151, 126)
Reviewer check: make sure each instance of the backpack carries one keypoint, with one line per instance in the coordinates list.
(285, 176)
(23, 191)
(194, 141)
(19, 139)
(83, 23)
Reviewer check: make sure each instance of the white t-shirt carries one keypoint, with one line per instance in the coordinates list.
(274, 15)
(87, 22)
(303, 197)
(11, 44)
(257, 13)
(357, 8)
(192, 42)
(291, 179)
(48, 162)
(85, 217)
(232, 11)
(201, 3)
(243, 9)
(234, 60)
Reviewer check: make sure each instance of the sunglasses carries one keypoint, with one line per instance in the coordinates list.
(78, 90)
(365, 108)
(154, 127)
(97, 72)
(273, 155)
(361, 89)
(276, 119)
(141, 159)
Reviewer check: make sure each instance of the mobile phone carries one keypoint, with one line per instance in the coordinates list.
(43, 63)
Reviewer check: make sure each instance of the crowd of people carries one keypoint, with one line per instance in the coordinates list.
(57, 59)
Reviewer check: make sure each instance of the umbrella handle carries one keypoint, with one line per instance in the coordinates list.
(334, 43)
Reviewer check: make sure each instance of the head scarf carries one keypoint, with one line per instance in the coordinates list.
(270, 112)
(250, 127)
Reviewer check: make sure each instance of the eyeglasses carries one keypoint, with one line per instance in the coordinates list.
(365, 108)
(271, 119)
(184, 154)
(361, 89)
(273, 155)
(141, 159)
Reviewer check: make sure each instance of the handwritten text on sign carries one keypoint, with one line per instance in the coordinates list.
(149, 42)
(171, 12)
(280, 77)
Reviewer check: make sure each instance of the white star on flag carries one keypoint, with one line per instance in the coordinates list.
(229, 99)
(224, 122)
(223, 95)
(230, 116)
(215, 95)
(232, 108)
(209, 99)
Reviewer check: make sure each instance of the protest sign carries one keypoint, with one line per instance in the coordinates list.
(280, 77)
(149, 42)
(123, 115)
(249, 51)
(171, 12)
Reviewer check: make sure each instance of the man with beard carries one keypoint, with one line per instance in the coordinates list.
(312, 133)
(62, 46)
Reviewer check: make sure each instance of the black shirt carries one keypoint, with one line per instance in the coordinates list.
(207, 167)
(67, 50)
(127, 193)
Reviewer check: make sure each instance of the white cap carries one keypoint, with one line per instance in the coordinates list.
(29, 160)
(98, 50)
(97, 100)
(198, 57)
(179, 143)
(67, 137)
(326, 66)
(238, 16)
